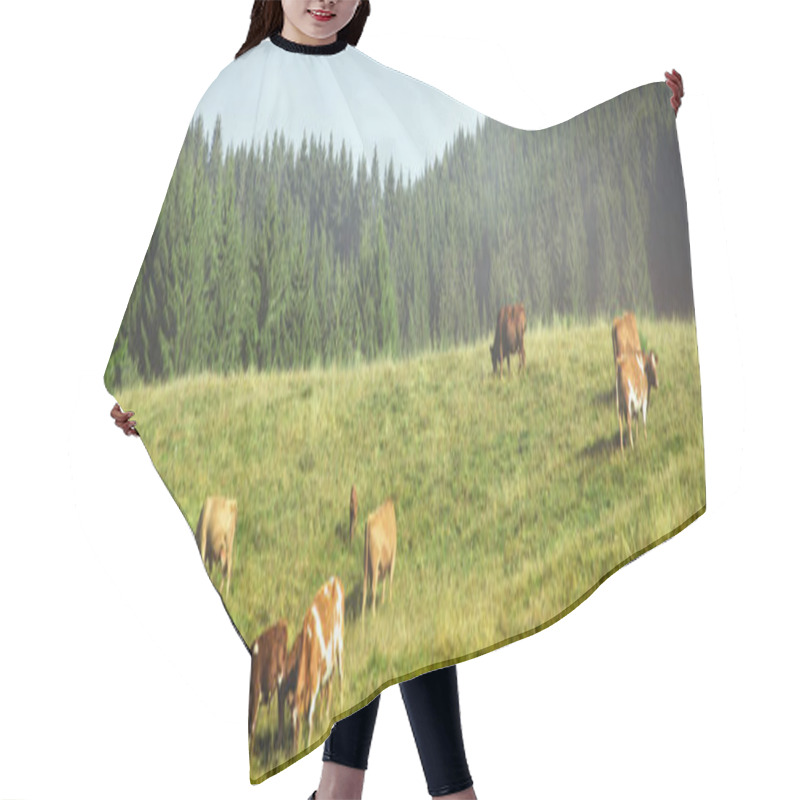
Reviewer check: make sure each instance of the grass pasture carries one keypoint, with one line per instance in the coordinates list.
(513, 500)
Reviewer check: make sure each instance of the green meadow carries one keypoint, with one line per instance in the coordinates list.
(512, 497)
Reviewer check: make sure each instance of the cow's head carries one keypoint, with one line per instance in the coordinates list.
(651, 368)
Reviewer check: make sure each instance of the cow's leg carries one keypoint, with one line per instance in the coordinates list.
(340, 659)
(229, 569)
(391, 574)
(630, 432)
(375, 575)
(364, 595)
(271, 700)
(312, 708)
(280, 717)
(254, 721)
(501, 358)
(203, 535)
(254, 696)
(267, 702)
(644, 418)
(383, 590)
(328, 693)
(329, 683)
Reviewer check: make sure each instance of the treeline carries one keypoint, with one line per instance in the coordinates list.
(269, 258)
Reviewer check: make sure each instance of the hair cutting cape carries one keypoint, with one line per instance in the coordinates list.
(418, 380)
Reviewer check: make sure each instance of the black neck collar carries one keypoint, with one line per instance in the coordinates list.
(308, 49)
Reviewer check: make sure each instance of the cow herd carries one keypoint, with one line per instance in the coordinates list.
(635, 373)
(300, 678)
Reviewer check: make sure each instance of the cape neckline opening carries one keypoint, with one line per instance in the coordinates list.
(308, 49)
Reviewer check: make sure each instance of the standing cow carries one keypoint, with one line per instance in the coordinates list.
(353, 511)
(636, 374)
(316, 652)
(380, 547)
(509, 337)
(267, 667)
(215, 533)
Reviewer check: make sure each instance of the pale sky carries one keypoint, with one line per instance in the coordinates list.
(348, 93)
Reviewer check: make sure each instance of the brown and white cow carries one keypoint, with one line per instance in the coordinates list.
(316, 652)
(380, 547)
(637, 373)
(353, 511)
(509, 337)
(267, 665)
(216, 529)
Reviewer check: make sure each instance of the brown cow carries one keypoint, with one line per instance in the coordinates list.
(316, 652)
(353, 511)
(215, 533)
(636, 375)
(380, 547)
(509, 337)
(266, 675)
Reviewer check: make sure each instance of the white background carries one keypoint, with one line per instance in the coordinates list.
(120, 673)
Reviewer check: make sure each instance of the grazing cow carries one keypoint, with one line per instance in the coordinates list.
(380, 546)
(215, 532)
(509, 337)
(625, 335)
(353, 511)
(636, 375)
(316, 652)
(266, 675)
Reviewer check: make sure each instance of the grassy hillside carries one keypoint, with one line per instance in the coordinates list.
(512, 497)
